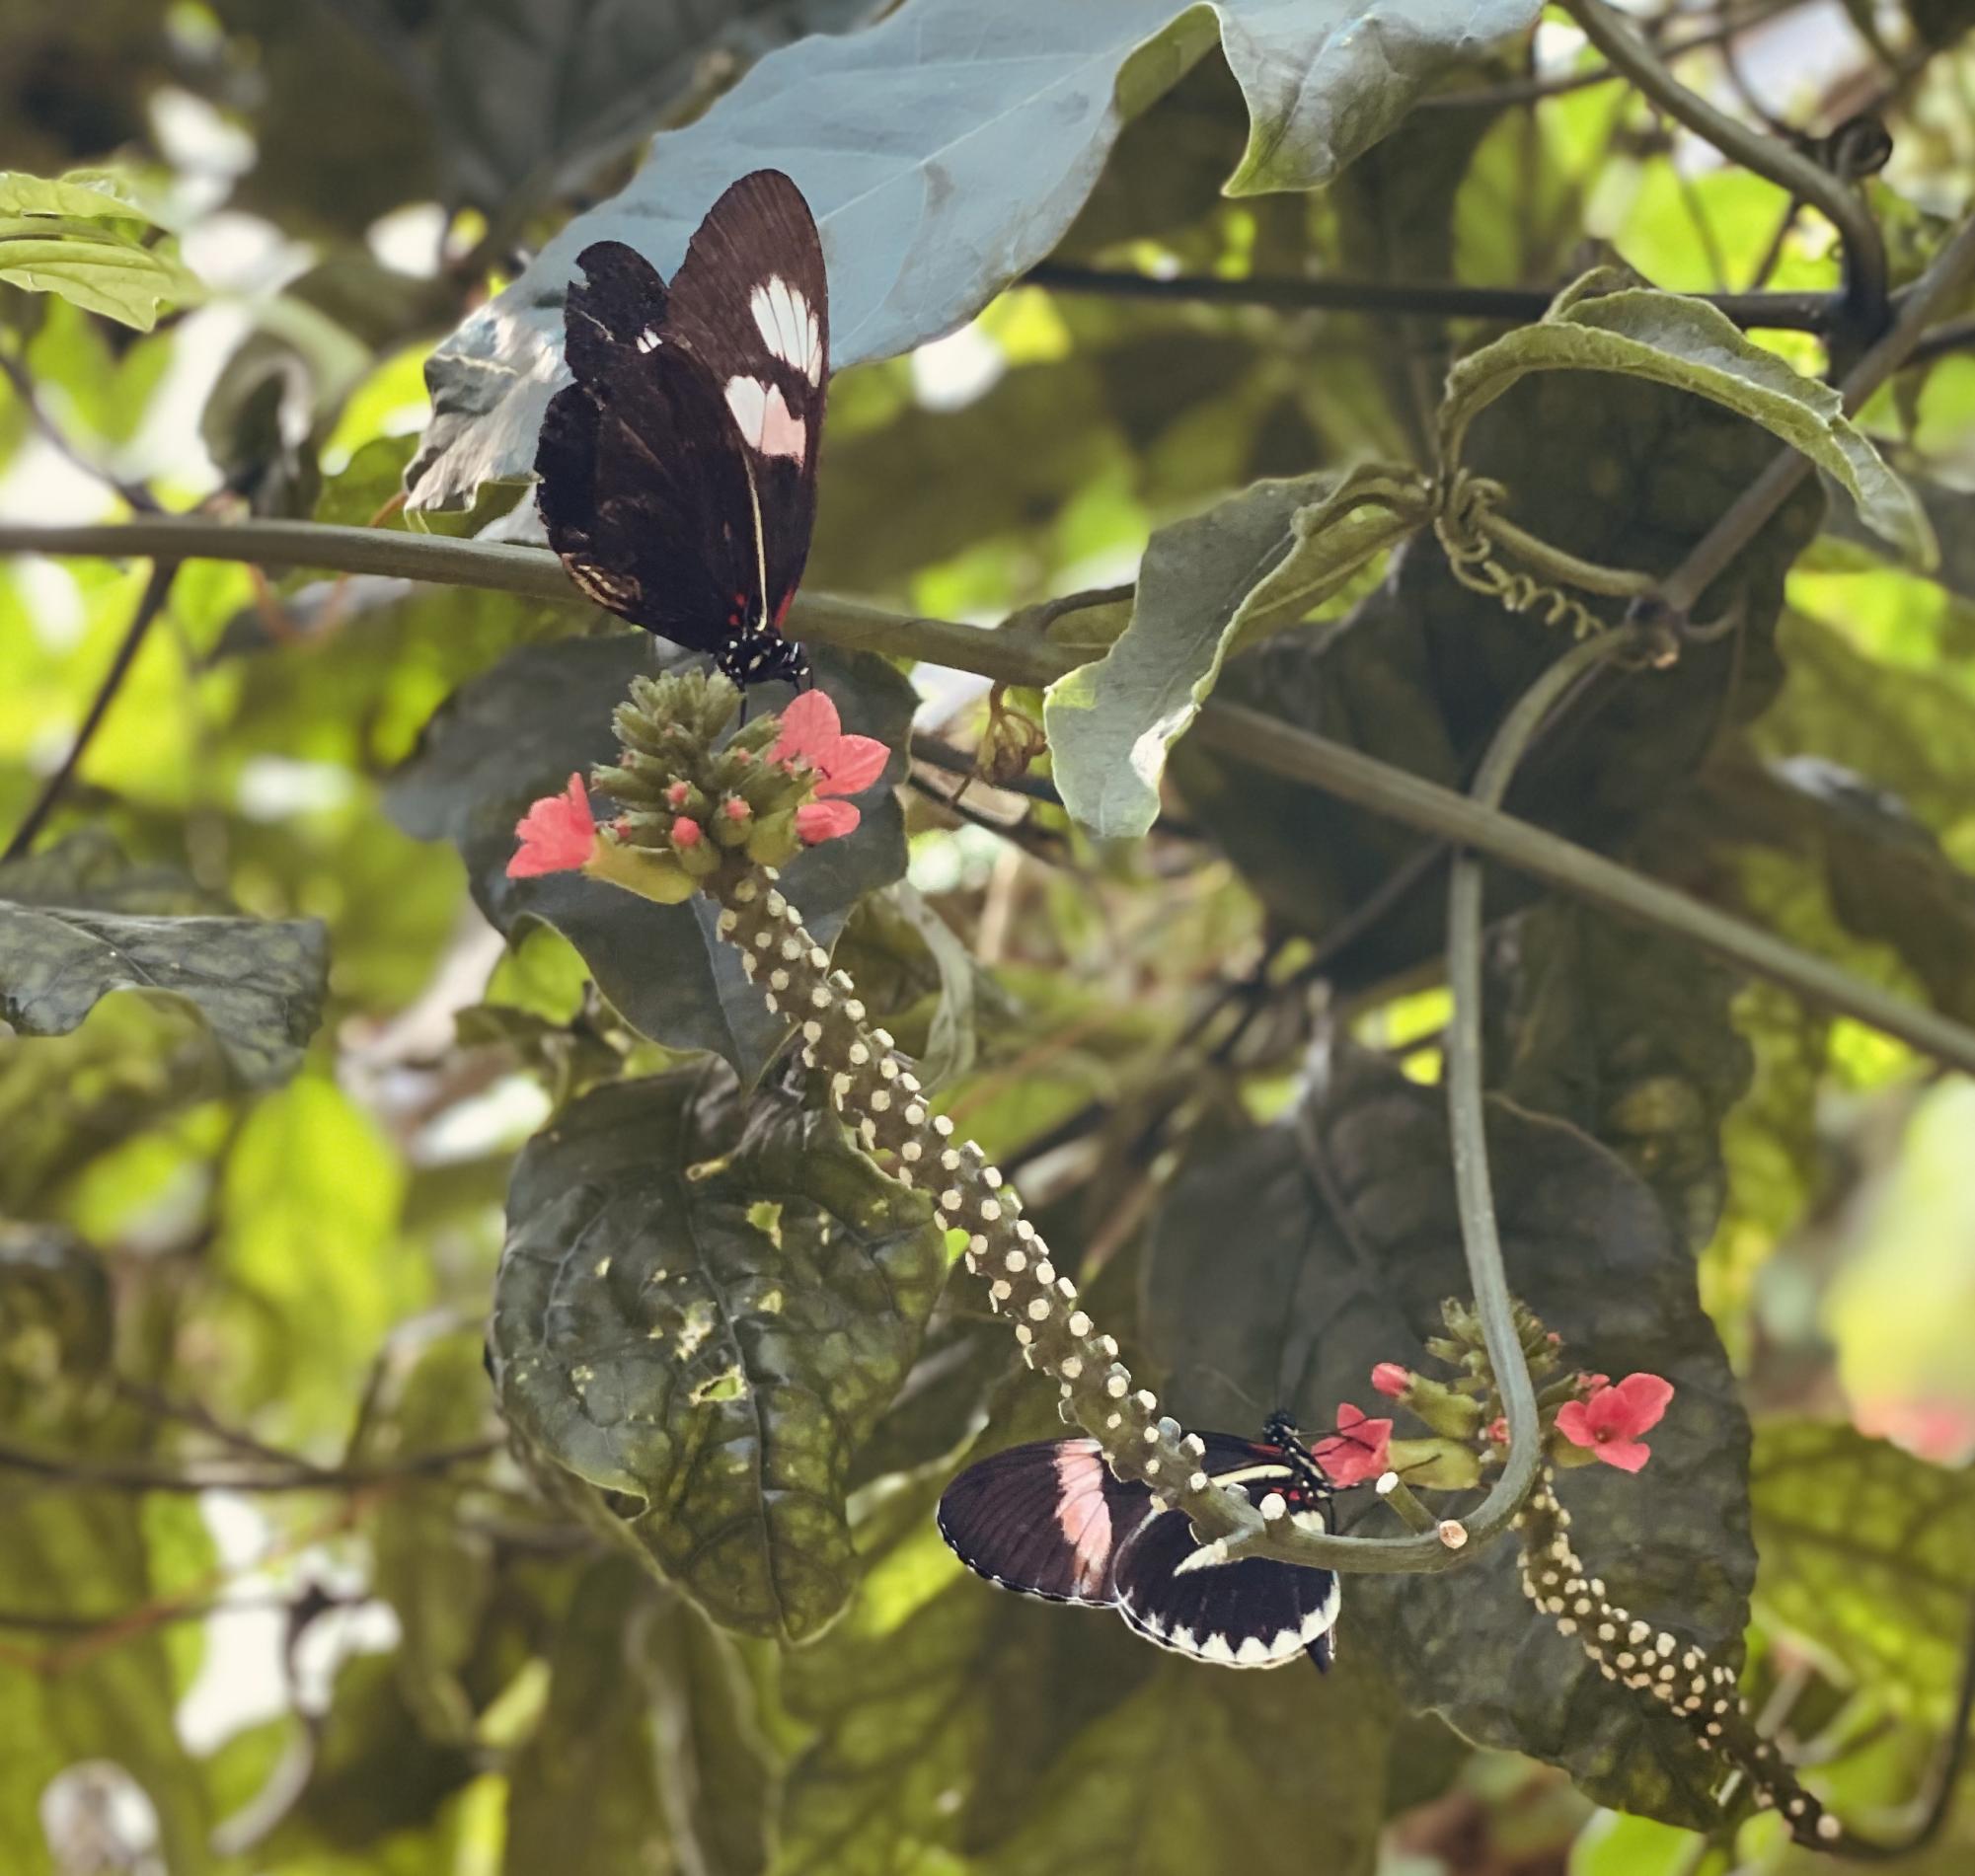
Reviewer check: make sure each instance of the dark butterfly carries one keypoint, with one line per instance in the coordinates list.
(1052, 1519)
(678, 472)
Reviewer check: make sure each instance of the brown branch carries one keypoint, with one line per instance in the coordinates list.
(134, 1476)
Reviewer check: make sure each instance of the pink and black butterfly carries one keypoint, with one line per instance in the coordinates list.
(1052, 1519)
(678, 471)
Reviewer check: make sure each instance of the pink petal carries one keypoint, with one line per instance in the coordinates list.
(1390, 1380)
(825, 820)
(1627, 1454)
(809, 727)
(852, 764)
(557, 834)
(1357, 1450)
(1574, 1421)
(687, 832)
(1643, 1399)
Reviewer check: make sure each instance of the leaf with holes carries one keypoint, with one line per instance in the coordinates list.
(1350, 1242)
(703, 1304)
(515, 734)
(995, 123)
(1259, 560)
(67, 940)
(1686, 344)
(1869, 1553)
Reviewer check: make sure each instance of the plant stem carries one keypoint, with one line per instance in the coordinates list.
(136, 1476)
(1433, 299)
(1746, 516)
(150, 603)
(1014, 658)
(1554, 563)
(1864, 297)
(1467, 1112)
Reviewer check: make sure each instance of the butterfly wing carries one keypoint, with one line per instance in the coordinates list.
(1048, 1519)
(751, 301)
(644, 486)
(1247, 1612)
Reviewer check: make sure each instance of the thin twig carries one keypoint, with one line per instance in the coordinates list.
(134, 1476)
(1436, 299)
(134, 492)
(150, 603)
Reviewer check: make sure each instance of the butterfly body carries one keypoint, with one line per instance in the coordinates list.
(677, 472)
(1051, 1520)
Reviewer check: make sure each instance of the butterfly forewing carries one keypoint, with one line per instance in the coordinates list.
(678, 471)
(1051, 1520)
(1047, 1519)
(751, 300)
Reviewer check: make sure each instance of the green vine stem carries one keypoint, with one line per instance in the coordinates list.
(1263, 741)
(1787, 167)
(1465, 1107)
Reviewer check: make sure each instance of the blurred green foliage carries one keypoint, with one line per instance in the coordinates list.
(292, 1584)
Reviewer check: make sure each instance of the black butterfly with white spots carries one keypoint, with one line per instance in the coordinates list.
(678, 471)
(1052, 1519)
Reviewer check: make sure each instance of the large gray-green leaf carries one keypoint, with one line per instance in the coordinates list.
(944, 151)
(1686, 344)
(518, 732)
(704, 1305)
(1259, 559)
(67, 940)
(1287, 1263)
(1869, 1554)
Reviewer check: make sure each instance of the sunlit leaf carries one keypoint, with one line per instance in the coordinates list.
(1869, 1553)
(703, 1304)
(82, 238)
(1341, 1223)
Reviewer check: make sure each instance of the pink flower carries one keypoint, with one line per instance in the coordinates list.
(1610, 1421)
(735, 809)
(813, 733)
(1390, 1380)
(675, 795)
(1356, 1451)
(1589, 1384)
(687, 832)
(1497, 1430)
(557, 834)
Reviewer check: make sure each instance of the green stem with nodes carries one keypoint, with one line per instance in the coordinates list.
(1474, 1190)
(1788, 167)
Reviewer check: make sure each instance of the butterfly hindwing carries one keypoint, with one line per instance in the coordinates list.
(1250, 1613)
(1052, 1519)
(1047, 1519)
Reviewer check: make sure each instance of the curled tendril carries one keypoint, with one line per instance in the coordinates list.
(1460, 526)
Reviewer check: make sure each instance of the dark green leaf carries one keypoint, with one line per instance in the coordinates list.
(517, 733)
(991, 142)
(64, 945)
(1291, 1263)
(1626, 1035)
(531, 97)
(1869, 1553)
(704, 1305)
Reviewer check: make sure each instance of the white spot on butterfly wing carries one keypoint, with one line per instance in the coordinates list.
(766, 422)
(789, 328)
